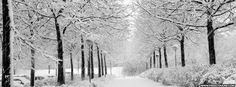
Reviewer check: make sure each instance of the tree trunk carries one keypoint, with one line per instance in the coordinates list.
(99, 67)
(88, 68)
(92, 65)
(211, 44)
(102, 63)
(82, 59)
(60, 77)
(182, 51)
(71, 67)
(160, 57)
(165, 56)
(182, 46)
(32, 72)
(154, 59)
(150, 62)
(105, 64)
(49, 69)
(7, 43)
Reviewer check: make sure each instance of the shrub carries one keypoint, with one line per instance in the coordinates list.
(192, 76)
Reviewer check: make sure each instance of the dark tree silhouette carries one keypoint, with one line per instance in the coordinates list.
(91, 56)
(99, 64)
(71, 67)
(82, 59)
(154, 59)
(32, 72)
(105, 64)
(102, 65)
(159, 50)
(165, 56)
(6, 43)
(61, 76)
(150, 62)
(88, 68)
(211, 42)
(181, 41)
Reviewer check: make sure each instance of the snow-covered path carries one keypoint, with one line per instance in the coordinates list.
(133, 82)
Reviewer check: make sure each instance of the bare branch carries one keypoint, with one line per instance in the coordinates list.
(223, 26)
(170, 20)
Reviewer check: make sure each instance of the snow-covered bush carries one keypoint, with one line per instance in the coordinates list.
(192, 76)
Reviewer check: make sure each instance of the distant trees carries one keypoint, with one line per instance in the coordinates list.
(90, 59)
(71, 47)
(192, 15)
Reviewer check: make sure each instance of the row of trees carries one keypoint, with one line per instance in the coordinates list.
(101, 58)
(52, 28)
(167, 23)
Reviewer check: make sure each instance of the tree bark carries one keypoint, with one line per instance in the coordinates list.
(32, 72)
(102, 63)
(182, 46)
(165, 56)
(92, 65)
(82, 59)
(71, 67)
(154, 59)
(150, 62)
(211, 43)
(160, 57)
(105, 64)
(88, 68)
(99, 67)
(7, 43)
(182, 51)
(61, 77)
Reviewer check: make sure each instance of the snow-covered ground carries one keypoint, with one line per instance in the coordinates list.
(116, 71)
(114, 80)
(133, 82)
